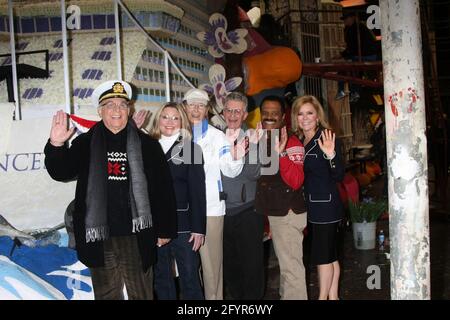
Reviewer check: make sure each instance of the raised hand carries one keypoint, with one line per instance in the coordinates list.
(256, 134)
(327, 143)
(59, 132)
(140, 117)
(239, 149)
(280, 143)
(232, 135)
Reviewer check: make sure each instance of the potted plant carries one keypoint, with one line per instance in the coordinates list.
(364, 216)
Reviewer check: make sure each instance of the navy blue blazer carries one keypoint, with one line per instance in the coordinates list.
(321, 175)
(185, 159)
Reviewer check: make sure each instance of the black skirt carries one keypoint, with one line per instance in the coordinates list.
(323, 242)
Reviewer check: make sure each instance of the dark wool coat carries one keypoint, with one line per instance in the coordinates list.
(185, 159)
(65, 164)
(321, 175)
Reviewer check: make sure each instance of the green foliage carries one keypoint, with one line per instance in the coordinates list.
(368, 211)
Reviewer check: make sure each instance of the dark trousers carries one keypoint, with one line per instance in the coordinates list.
(188, 269)
(123, 266)
(243, 256)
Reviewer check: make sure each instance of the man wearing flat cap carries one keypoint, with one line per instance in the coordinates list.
(124, 199)
(219, 159)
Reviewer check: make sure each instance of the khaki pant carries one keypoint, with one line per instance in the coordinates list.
(211, 254)
(287, 239)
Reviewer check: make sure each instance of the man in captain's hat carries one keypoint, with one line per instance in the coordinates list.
(124, 199)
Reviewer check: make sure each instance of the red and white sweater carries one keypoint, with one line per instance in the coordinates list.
(291, 166)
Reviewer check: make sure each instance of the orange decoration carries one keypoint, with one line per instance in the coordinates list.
(275, 68)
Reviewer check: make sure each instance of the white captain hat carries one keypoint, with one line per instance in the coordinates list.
(112, 89)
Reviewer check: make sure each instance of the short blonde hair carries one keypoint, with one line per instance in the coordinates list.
(298, 103)
(185, 128)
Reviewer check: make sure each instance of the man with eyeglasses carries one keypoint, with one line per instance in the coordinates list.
(243, 251)
(218, 160)
(124, 200)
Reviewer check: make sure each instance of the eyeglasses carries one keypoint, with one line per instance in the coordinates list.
(196, 105)
(167, 118)
(237, 112)
(113, 106)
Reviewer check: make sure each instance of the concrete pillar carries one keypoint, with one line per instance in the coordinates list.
(406, 149)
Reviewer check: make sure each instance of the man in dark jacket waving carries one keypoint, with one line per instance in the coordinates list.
(279, 196)
(124, 201)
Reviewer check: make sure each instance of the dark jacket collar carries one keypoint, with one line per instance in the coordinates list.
(313, 143)
(314, 139)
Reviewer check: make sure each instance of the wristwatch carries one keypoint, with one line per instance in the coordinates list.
(283, 154)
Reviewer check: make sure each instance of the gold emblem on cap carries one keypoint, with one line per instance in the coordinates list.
(118, 88)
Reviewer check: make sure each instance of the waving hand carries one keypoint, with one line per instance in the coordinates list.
(59, 132)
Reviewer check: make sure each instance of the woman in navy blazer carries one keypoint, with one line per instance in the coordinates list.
(170, 126)
(323, 168)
